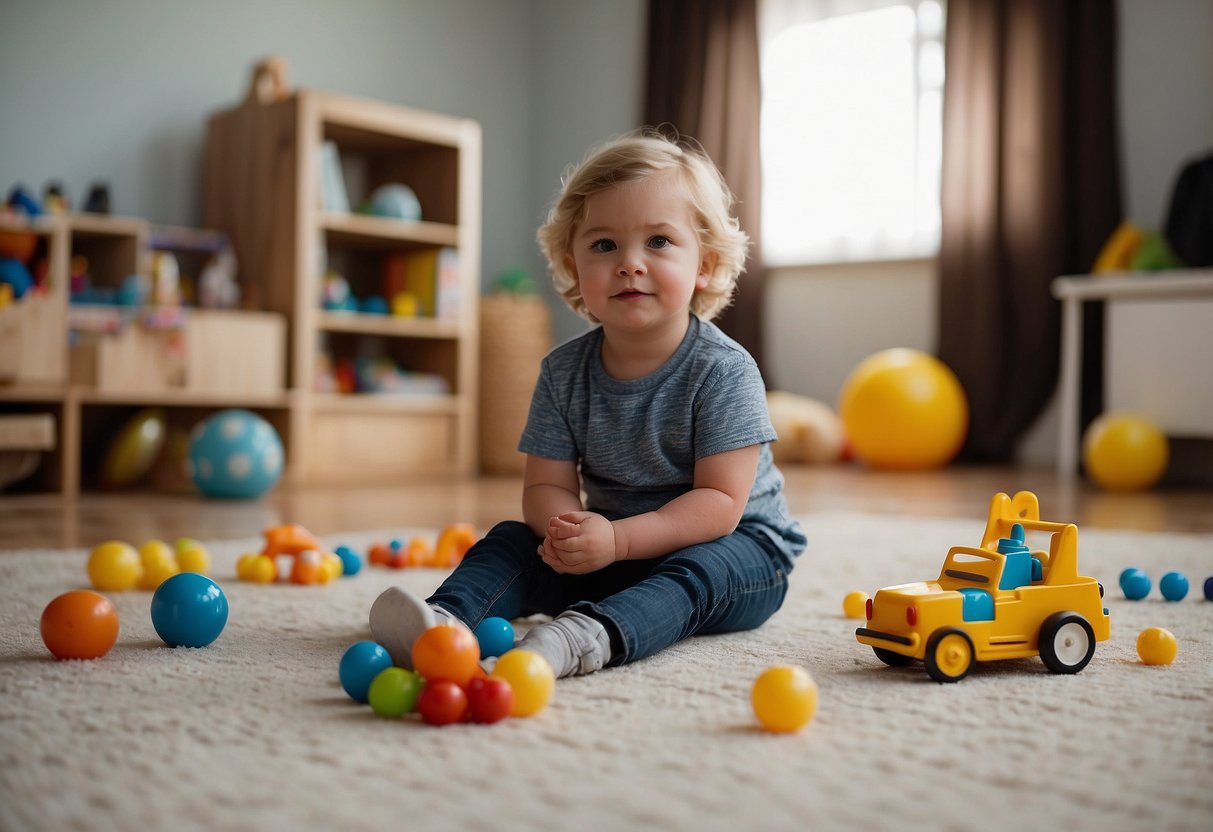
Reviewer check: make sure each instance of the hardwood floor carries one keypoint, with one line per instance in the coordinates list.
(47, 521)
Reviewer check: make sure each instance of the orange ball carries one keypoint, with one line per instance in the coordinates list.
(81, 624)
(447, 652)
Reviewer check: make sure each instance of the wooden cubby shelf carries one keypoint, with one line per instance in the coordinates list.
(267, 187)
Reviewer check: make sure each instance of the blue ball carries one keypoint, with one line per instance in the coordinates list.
(496, 636)
(394, 200)
(361, 663)
(235, 454)
(350, 562)
(1209, 588)
(1174, 586)
(1135, 584)
(189, 610)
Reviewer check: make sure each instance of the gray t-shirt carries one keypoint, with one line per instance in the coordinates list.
(637, 441)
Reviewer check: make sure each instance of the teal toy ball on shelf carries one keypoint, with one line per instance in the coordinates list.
(235, 454)
(393, 200)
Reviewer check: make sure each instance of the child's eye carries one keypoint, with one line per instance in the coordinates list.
(659, 241)
(603, 245)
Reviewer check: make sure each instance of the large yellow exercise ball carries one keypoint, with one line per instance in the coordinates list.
(904, 409)
(1124, 452)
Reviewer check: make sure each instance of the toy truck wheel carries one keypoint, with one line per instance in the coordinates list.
(1067, 642)
(949, 655)
(890, 658)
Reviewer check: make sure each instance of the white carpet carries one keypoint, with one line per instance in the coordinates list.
(254, 732)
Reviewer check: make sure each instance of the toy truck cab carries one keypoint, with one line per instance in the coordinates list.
(997, 601)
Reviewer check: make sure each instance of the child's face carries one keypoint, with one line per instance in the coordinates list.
(636, 256)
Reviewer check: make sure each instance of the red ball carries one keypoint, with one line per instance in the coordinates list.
(81, 624)
(442, 702)
(490, 699)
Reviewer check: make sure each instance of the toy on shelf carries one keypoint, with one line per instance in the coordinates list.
(55, 199)
(1001, 600)
(452, 544)
(1131, 248)
(98, 199)
(393, 200)
(235, 454)
(133, 451)
(311, 563)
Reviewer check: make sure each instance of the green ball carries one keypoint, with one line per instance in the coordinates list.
(393, 692)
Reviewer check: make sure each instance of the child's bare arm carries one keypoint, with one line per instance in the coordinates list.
(551, 487)
(582, 541)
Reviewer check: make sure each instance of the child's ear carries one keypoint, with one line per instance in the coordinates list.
(570, 266)
(707, 267)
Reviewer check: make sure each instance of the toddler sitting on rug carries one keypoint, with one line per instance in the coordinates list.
(655, 413)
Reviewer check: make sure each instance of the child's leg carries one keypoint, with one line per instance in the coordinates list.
(731, 584)
(492, 579)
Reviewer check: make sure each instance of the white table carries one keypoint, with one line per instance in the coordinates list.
(1073, 291)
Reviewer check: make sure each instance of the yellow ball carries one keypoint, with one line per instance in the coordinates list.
(855, 605)
(158, 564)
(257, 568)
(331, 566)
(114, 565)
(1157, 646)
(1123, 452)
(192, 556)
(904, 409)
(531, 678)
(784, 698)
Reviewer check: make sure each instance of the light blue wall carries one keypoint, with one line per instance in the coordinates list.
(120, 90)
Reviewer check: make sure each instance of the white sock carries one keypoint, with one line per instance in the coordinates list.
(573, 643)
(397, 618)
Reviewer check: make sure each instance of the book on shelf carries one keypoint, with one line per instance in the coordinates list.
(333, 196)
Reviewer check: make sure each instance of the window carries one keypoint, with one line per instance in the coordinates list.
(852, 129)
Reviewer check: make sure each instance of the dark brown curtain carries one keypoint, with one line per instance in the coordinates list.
(1030, 191)
(703, 80)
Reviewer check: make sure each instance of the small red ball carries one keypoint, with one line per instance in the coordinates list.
(490, 699)
(442, 702)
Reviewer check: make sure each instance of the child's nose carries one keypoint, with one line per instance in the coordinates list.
(631, 264)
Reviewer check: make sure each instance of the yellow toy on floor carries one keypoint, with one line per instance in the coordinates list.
(1001, 600)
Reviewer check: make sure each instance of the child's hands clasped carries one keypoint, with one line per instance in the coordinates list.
(578, 542)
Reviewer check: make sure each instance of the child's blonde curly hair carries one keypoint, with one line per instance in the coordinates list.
(631, 158)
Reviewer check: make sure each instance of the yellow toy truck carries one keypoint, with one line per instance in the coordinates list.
(999, 601)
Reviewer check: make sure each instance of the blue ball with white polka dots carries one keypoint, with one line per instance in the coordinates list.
(235, 454)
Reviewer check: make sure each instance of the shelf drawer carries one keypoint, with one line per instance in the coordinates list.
(352, 446)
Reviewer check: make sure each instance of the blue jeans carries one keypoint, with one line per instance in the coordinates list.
(726, 585)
